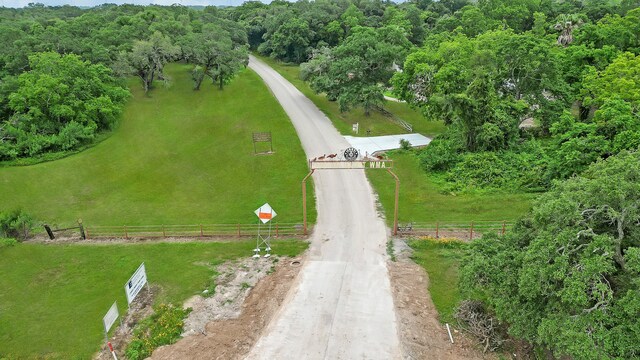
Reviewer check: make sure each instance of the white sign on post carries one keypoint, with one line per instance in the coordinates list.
(265, 213)
(110, 317)
(135, 283)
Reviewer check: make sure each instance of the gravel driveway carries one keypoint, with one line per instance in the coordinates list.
(341, 306)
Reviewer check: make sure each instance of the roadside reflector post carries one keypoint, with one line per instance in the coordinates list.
(113, 353)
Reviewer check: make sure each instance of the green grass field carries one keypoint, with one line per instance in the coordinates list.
(376, 122)
(422, 200)
(178, 157)
(53, 297)
(441, 261)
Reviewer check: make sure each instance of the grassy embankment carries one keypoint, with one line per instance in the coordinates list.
(178, 157)
(53, 297)
(441, 260)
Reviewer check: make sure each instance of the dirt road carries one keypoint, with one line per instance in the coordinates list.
(342, 306)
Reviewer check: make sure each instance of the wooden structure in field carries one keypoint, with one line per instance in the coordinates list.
(262, 137)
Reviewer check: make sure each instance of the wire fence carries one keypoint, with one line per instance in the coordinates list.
(460, 230)
(193, 231)
(464, 231)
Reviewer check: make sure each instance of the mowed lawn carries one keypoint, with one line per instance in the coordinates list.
(423, 200)
(178, 157)
(53, 297)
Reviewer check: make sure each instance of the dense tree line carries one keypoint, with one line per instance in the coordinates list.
(574, 75)
(62, 69)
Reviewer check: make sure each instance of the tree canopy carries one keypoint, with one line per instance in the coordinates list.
(60, 103)
(352, 72)
(568, 276)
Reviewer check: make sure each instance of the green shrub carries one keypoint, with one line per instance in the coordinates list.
(405, 144)
(7, 242)
(479, 170)
(82, 99)
(524, 168)
(162, 328)
(15, 224)
(443, 153)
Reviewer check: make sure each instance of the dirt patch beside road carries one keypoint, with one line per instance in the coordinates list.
(421, 333)
(233, 283)
(233, 333)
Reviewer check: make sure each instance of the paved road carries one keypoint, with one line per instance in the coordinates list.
(341, 306)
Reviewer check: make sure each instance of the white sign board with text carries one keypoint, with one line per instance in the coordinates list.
(110, 317)
(135, 283)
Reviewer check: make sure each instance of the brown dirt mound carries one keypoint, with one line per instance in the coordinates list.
(233, 338)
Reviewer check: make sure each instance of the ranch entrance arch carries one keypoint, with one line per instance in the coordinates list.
(349, 159)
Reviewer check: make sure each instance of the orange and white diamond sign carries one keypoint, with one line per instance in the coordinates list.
(265, 213)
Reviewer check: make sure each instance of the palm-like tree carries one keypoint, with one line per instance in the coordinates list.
(566, 23)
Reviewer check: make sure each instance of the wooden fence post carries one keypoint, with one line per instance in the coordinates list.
(164, 233)
(238, 226)
(437, 230)
(504, 225)
(81, 227)
(201, 233)
(471, 232)
(276, 229)
(87, 233)
(126, 235)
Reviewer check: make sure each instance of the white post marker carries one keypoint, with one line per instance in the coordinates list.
(109, 319)
(135, 283)
(449, 331)
(265, 213)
